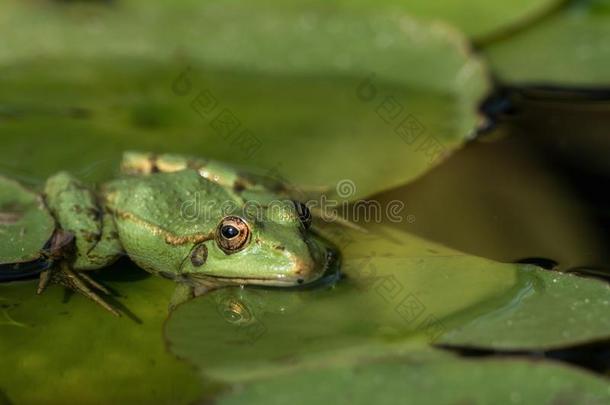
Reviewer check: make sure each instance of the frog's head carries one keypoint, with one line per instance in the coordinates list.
(273, 247)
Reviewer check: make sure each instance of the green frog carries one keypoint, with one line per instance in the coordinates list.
(199, 222)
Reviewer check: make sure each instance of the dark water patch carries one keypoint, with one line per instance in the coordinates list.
(594, 357)
(124, 270)
(543, 92)
(496, 108)
(22, 271)
(591, 271)
(545, 263)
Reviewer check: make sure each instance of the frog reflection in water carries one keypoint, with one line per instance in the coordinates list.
(182, 218)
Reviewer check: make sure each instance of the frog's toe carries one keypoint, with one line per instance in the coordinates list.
(43, 281)
(78, 282)
(94, 284)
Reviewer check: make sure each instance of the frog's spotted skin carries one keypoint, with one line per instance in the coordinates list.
(75, 208)
(198, 222)
(163, 217)
(217, 172)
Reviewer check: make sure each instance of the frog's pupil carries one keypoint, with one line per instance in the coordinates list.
(229, 231)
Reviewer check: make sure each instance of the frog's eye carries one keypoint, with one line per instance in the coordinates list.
(303, 213)
(233, 234)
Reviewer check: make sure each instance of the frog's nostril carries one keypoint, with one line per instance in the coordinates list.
(199, 255)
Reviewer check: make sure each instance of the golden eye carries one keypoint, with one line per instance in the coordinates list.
(233, 234)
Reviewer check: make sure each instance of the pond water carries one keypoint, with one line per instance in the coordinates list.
(542, 171)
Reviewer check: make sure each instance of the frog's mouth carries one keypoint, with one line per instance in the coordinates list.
(327, 262)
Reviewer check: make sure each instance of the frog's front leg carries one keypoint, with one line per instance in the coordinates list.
(93, 234)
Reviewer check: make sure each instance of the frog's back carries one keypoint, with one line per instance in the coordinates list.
(180, 209)
(180, 202)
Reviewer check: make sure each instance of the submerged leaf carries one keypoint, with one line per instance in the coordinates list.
(569, 48)
(551, 310)
(432, 379)
(59, 346)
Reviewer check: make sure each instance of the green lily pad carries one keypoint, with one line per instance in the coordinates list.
(391, 295)
(570, 48)
(57, 346)
(436, 379)
(25, 223)
(554, 310)
(400, 294)
(539, 309)
(476, 18)
(293, 83)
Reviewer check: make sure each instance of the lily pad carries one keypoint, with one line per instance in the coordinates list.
(292, 331)
(281, 83)
(57, 346)
(476, 18)
(435, 380)
(400, 293)
(552, 310)
(25, 223)
(575, 307)
(272, 331)
(569, 48)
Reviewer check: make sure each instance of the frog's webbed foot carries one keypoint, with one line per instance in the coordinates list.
(79, 282)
